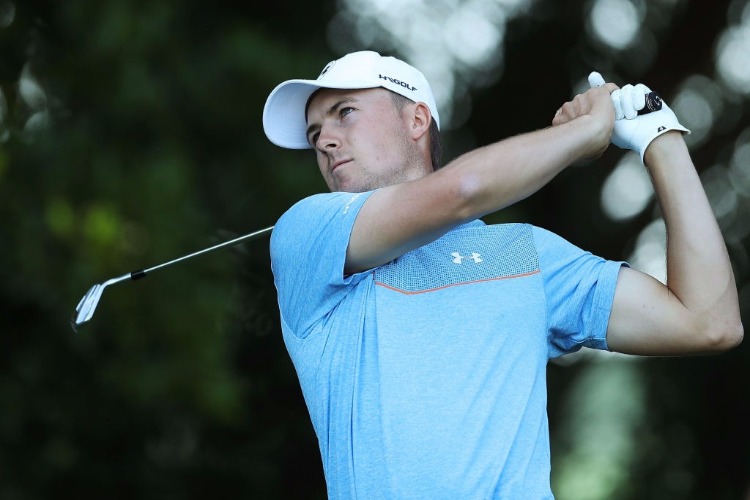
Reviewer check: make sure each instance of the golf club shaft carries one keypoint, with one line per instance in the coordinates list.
(85, 309)
(251, 236)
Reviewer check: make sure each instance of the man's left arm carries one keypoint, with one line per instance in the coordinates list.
(697, 310)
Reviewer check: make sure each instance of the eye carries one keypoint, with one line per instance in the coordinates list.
(313, 139)
(345, 111)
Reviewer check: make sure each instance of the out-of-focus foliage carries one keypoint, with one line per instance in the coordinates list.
(130, 134)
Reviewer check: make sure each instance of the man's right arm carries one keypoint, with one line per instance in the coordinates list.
(399, 218)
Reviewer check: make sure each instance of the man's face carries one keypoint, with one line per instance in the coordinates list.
(362, 140)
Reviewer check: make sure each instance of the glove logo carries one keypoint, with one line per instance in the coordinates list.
(662, 128)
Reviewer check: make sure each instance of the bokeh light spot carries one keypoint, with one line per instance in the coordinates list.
(695, 113)
(627, 190)
(473, 37)
(649, 255)
(732, 58)
(721, 196)
(101, 226)
(739, 169)
(7, 13)
(60, 217)
(31, 90)
(615, 22)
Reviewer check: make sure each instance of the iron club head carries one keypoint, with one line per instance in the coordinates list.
(85, 309)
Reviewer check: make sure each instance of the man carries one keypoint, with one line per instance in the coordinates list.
(420, 335)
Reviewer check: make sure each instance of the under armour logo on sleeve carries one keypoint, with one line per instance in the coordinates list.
(459, 259)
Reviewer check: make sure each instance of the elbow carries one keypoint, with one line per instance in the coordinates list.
(735, 336)
(719, 328)
(467, 195)
(724, 337)
(471, 196)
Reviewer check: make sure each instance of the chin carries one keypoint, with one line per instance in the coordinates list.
(351, 190)
(349, 187)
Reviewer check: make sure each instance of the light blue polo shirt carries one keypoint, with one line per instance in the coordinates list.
(426, 377)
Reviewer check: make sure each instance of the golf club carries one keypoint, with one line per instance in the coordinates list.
(85, 309)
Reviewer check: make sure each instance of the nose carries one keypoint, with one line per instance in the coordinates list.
(328, 139)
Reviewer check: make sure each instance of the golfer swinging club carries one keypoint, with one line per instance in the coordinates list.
(420, 335)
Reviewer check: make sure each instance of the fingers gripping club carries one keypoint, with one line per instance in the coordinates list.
(640, 116)
(630, 101)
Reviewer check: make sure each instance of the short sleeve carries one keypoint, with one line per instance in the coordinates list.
(579, 289)
(308, 253)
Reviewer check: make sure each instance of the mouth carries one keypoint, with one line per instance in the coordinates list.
(338, 163)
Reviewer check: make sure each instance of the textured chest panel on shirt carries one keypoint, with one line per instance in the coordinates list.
(463, 256)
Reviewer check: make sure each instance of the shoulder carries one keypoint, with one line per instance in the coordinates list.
(323, 205)
(318, 220)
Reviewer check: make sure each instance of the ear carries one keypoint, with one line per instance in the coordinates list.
(420, 121)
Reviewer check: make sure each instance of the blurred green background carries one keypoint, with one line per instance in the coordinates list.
(130, 134)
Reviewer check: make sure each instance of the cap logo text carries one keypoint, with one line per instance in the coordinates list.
(398, 82)
(326, 69)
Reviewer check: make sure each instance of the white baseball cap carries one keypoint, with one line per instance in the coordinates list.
(284, 119)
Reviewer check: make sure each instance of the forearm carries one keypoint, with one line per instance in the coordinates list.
(496, 176)
(699, 271)
(479, 182)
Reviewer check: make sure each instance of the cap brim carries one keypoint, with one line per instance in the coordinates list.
(284, 113)
(284, 120)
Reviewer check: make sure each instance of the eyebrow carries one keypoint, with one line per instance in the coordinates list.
(329, 112)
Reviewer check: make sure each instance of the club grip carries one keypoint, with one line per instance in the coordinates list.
(653, 103)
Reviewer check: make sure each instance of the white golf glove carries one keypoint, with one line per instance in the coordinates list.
(632, 130)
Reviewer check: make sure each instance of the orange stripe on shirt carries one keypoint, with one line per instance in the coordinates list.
(456, 284)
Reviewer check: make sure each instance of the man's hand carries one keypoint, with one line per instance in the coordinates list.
(595, 104)
(631, 130)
